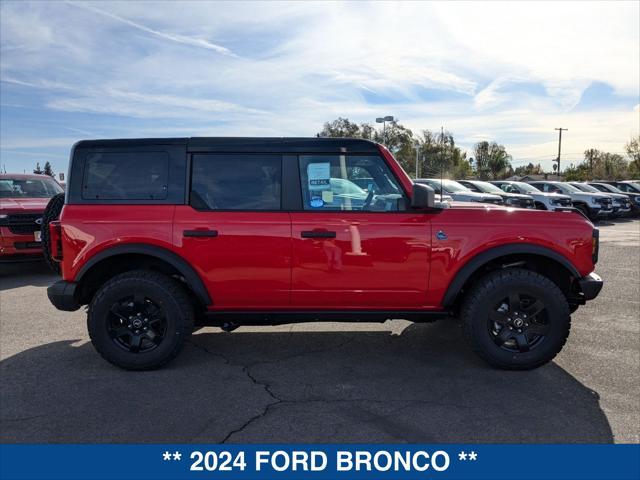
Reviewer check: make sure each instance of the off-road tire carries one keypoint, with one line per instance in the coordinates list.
(51, 213)
(166, 292)
(479, 300)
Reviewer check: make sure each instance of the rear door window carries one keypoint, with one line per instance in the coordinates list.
(126, 176)
(236, 182)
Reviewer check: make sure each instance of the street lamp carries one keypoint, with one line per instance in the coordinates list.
(417, 145)
(383, 121)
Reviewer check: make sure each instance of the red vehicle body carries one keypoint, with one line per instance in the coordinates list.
(242, 267)
(401, 266)
(23, 199)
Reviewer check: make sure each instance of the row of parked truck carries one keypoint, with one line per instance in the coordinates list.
(596, 200)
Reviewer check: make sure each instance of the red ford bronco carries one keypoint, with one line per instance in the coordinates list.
(23, 199)
(157, 236)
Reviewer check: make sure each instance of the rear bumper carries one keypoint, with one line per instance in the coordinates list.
(590, 285)
(62, 295)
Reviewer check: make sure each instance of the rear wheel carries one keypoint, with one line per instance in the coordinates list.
(51, 213)
(516, 319)
(139, 320)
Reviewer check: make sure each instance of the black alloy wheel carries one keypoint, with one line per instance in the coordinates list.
(518, 323)
(515, 319)
(138, 320)
(136, 324)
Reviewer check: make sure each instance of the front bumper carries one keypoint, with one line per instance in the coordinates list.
(62, 295)
(590, 285)
(17, 246)
(603, 212)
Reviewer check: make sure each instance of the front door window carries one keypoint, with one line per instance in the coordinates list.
(349, 183)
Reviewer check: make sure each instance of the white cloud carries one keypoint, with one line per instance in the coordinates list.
(184, 39)
(506, 71)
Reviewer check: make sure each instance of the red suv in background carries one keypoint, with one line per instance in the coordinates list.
(23, 199)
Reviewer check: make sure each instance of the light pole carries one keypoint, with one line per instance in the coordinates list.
(417, 154)
(383, 121)
(559, 147)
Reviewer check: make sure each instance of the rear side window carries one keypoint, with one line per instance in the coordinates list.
(126, 176)
(236, 182)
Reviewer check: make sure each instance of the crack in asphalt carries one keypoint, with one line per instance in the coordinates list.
(246, 369)
(21, 419)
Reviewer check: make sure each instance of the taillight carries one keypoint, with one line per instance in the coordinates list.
(55, 240)
(595, 245)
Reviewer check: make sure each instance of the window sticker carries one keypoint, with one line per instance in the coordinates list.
(327, 196)
(319, 179)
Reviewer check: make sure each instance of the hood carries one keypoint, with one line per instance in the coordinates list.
(589, 195)
(477, 196)
(621, 196)
(23, 205)
(478, 206)
(521, 196)
(549, 195)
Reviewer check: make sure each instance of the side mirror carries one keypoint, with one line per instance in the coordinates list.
(423, 196)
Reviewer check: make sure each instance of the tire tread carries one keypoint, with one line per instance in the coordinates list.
(489, 283)
(159, 280)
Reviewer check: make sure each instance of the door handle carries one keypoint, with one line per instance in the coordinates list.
(317, 234)
(200, 233)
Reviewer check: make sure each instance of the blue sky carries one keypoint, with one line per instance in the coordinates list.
(509, 72)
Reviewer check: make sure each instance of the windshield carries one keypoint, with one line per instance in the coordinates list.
(525, 187)
(585, 188)
(28, 188)
(450, 186)
(633, 186)
(567, 187)
(487, 187)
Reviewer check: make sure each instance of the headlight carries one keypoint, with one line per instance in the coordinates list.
(2, 215)
(510, 201)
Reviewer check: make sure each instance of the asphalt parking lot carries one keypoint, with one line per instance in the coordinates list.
(331, 382)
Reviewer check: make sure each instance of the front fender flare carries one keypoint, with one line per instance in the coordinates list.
(486, 256)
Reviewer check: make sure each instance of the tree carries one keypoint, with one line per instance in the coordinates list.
(633, 152)
(48, 170)
(439, 156)
(437, 152)
(38, 170)
(529, 169)
(341, 127)
(604, 165)
(492, 160)
(399, 140)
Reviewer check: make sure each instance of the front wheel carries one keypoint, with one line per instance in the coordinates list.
(516, 319)
(139, 320)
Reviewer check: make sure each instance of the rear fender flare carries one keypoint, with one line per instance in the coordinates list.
(176, 261)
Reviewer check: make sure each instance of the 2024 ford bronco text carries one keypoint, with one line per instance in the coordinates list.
(157, 236)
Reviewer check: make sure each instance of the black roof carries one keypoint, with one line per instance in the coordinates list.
(245, 144)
